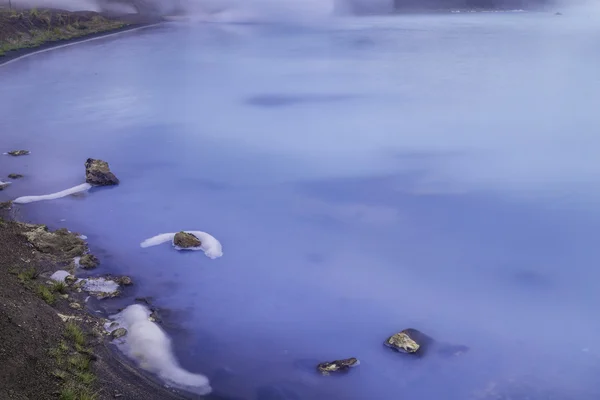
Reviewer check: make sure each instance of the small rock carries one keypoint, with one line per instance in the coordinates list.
(145, 300)
(88, 261)
(97, 172)
(64, 296)
(186, 240)
(124, 280)
(70, 279)
(155, 317)
(75, 306)
(558, 13)
(15, 176)
(119, 332)
(16, 153)
(408, 341)
(338, 365)
(113, 325)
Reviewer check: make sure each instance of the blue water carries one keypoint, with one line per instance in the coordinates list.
(364, 176)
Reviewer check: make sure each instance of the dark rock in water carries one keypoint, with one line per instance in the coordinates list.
(59, 242)
(413, 341)
(408, 341)
(16, 153)
(186, 240)
(88, 261)
(558, 13)
(145, 300)
(119, 332)
(338, 365)
(4, 185)
(98, 173)
(70, 279)
(124, 280)
(15, 176)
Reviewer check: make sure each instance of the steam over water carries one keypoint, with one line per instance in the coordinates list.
(363, 176)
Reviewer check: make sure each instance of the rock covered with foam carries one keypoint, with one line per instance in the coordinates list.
(208, 244)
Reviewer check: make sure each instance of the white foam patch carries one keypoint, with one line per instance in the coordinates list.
(59, 276)
(99, 285)
(53, 196)
(210, 245)
(151, 348)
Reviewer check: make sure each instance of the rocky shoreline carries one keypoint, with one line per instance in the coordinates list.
(23, 32)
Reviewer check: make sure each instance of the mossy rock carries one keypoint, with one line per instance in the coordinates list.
(59, 243)
(89, 261)
(16, 153)
(97, 173)
(186, 240)
(338, 365)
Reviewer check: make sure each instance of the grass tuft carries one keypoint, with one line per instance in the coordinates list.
(74, 333)
(59, 287)
(28, 275)
(44, 292)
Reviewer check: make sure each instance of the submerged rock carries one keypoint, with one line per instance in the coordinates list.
(15, 176)
(59, 242)
(16, 153)
(98, 173)
(186, 240)
(408, 341)
(88, 261)
(119, 332)
(338, 365)
(124, 280)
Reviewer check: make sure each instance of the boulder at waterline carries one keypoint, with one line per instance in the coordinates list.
(186, 240)
(413, 341)
(59, 242)
(97, 173)
(16, 153)
(337, 365)
(119, 332)
(88, 261)
(408, 341)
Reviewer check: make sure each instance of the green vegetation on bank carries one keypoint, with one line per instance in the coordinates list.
(74, 365)
(20, 29)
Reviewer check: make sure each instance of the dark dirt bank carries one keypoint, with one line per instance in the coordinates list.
(25, 31)
(49, 348)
